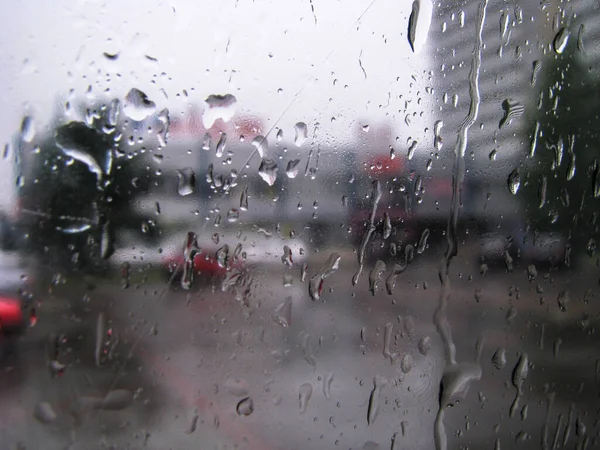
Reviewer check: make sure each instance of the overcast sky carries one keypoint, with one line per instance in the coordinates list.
(248, 48)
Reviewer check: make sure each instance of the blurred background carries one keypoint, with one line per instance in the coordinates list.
(299, 225)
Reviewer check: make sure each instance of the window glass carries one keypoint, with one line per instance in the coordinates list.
(299, 225)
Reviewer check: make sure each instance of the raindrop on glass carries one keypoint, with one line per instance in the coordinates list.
(137, 106)
(560, 40)
(304, 395)
(186, 181)
(245, 407)
(268, 171)
(514, 182)
(292, 168)
(301, 133)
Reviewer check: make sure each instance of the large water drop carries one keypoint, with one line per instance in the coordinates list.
(137, 106)
(218, 107)
(419, 23)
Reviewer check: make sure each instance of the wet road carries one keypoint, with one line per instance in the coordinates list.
(346, 370)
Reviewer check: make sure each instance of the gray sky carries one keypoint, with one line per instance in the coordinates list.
(247, 48)
(279, 63)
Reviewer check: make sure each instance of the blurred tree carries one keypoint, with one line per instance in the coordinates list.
(78, 188)
(560, 178)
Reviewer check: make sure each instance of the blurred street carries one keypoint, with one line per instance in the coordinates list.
(195, 355)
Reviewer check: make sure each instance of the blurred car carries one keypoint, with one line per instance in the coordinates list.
(543, 248)
(214, 259)
(12, 325)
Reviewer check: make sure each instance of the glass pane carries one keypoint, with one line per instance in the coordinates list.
(301, 224)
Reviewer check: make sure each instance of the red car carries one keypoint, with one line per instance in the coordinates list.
(12, 324)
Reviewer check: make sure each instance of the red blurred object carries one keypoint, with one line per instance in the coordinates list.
(384, 165)
(11, 315)
(203, 264)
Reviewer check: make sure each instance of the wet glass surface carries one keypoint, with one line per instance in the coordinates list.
(300, 225)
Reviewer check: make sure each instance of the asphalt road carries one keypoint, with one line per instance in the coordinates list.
(350, 370)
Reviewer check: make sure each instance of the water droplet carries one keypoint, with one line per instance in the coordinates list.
(512, 110)
(392, 152)
(137, 106)
(375, 197)
(560, 40)
(279, 136)
(162, 133)
(304, 394)
(74, 139)
(315, 286)
(44, 413)
(499, 358)
(283, 313)
(387, 225)
(221, 145)
(218, 107)
(245, 407)
(303, 272)
(222, 256)
(531, 272)
(375, 276)
(301, 133)
(563, 300)
(543, 187)
(437, 135)
(571, 151)
(261, 144)
(117, 399)
(27, 129)
(406, 363)
(307, 350)
(287, 256)
(519, 375)
(100, 336)
(327, 381)
(423, 241)
(107, 241)
(206, 142)
(399, 268)
(193, 423)
(190, 248)
(292, 168)
(424, 345)
(411, 150)
(514, 182)
(113, 112)
(233, 215)
(244, 200)
(268, 171)
(187, 181)
(580, 38)
(419, 23)
(387, 342)
(535, 71)
(504, 21)
(455, 382)
(378, 383)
